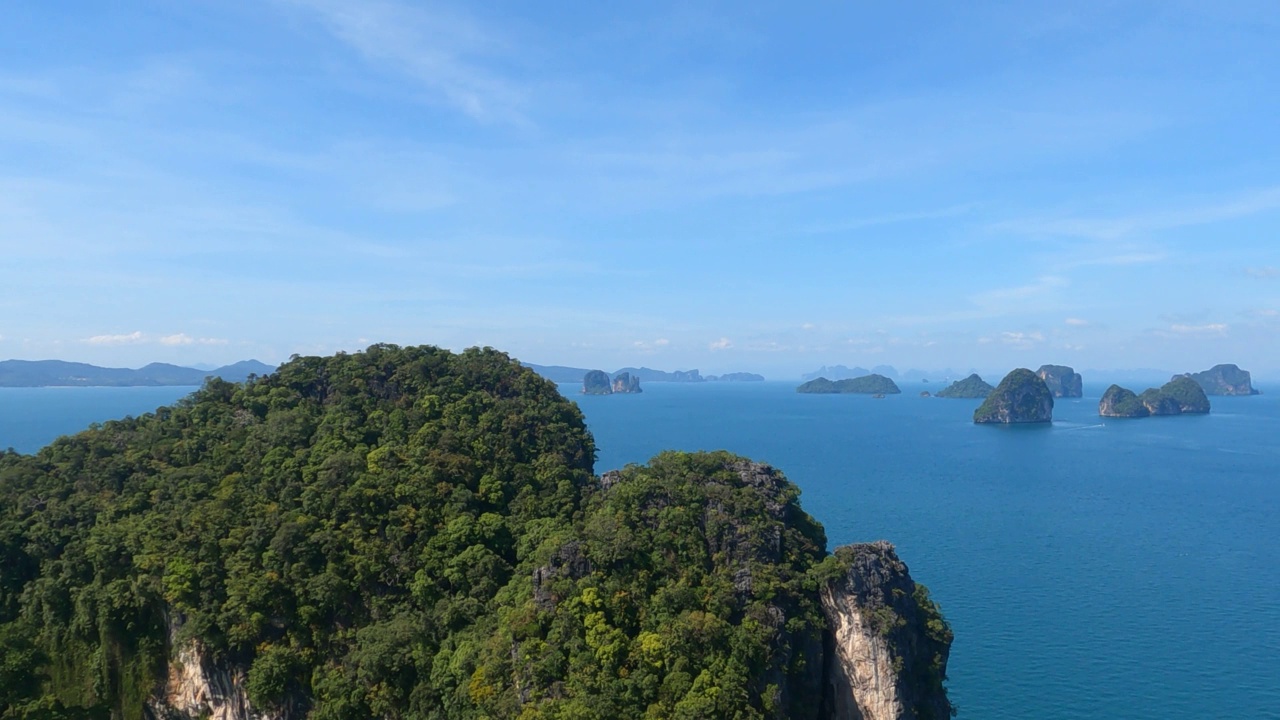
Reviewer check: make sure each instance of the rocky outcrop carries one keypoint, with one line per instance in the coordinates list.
(1180, 396)
(1021, 397)
(972, 387)
(1121, 402)
(568, 562)
(888, 644)
(597, 382)
(1062, 381)
(1223, 380)
(198, 688)
(626, 383)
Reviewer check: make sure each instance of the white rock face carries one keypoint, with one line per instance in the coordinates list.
(864, 680)
(199, 688)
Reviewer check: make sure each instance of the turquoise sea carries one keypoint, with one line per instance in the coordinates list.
(1091, 569)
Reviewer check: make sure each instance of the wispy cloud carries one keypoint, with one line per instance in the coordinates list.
(1263, 273)
(1022, 340)
(1004, 299)
(650, 346)
(893, 219)
(1123, 226)
(447, 53)
(1187, 330)
(1077, 322)
(122, 339)
(723, 343)
(185, 339)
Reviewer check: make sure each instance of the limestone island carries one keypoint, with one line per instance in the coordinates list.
(1021, 397)
(1063, 381)
(866, 385)
(972, 387)
(597, 382)
(1224, 380)
(1179, 396)
(449, 552)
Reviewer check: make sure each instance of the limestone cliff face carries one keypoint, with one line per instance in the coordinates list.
(596, 382)
(200, 689)
(625, 382)
(888, 644)
(1063, 381)
(1224, 380)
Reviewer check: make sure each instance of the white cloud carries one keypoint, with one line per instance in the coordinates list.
(722, 344)
(1022, 340)
(1207, 329)
(1077, 322)
(1263, 273)
(650, 347)
(130, 338)
(179, 339)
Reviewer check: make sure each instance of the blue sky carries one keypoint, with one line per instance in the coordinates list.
(732, 186)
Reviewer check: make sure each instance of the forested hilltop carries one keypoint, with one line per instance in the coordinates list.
(412, 533)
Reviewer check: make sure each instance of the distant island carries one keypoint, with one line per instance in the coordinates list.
(736, 377)
(598, 382)
(1224, 380)
(865, 385)
(972, 387)
(841, 372)
(1062, 381)
(1021, 397)
(59, 373)
(1179, 396)
(567, 374)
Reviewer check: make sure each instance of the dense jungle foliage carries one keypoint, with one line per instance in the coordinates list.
(401, 533)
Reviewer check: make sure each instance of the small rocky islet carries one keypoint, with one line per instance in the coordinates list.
(598, 382)
(1021, 397)
(972, 387)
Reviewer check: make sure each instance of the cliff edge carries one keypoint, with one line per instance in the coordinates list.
(1063, 381)
(1226, 379)
(888, 642)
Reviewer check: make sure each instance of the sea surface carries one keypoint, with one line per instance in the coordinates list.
(1095, 568)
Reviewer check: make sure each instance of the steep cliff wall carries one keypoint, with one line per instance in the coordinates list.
(200, 689)
(888, 642)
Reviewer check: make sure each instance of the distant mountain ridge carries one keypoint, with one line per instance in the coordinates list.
(566, 374)
(60, 373)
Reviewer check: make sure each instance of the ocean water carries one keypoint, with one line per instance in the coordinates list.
(31, 418)
(1096, 568)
